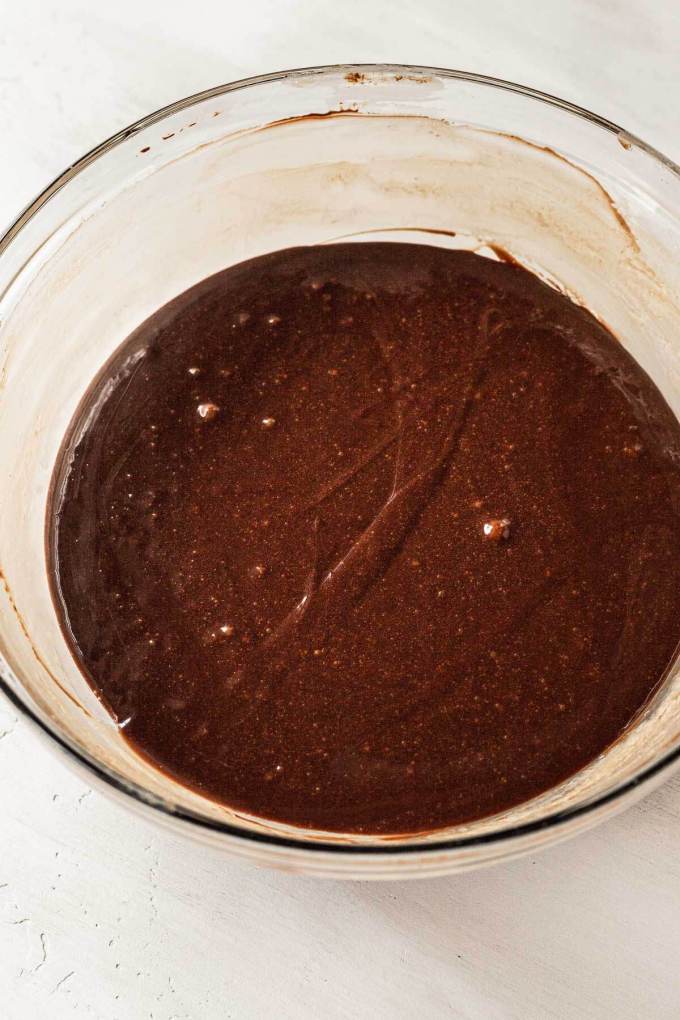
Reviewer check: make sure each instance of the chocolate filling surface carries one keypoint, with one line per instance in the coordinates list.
(370, 537)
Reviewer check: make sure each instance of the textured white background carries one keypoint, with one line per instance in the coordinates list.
(102, 917)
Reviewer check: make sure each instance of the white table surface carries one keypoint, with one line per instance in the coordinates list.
(102, 917)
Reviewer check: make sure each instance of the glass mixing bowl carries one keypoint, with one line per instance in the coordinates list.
(302, 157)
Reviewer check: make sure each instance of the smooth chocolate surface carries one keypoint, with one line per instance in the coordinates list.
(370, 537)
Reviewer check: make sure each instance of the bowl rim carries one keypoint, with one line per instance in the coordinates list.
(114, 779)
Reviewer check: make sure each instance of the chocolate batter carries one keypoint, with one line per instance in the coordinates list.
(370, 537)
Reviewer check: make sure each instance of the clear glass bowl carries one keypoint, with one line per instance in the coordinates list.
(297, 158)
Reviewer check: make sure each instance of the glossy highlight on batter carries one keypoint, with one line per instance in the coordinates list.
(370, 537)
